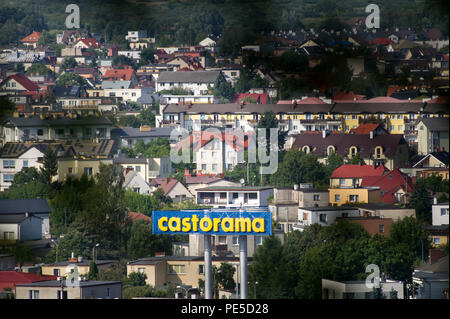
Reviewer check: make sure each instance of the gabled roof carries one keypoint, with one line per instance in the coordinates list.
(23, 80)
(435, 123)
(34, 37)
(134, 216)
(342, 143)
(358, 171)
(365, 128)
(389, 184)
(21, 206)
(119, 74)
(442, 156)
(89, 42)
(202, 179)
(166, 184)
(11, 278)
(347, 96)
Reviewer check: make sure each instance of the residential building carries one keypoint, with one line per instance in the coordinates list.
(432, 135)
(129, 136)
(395, 187)
(431, 279)
(373, 224)
(14, 156)
(346, 181)
(388, 150)
(10, 278)
(57, 289)
(440, 214)
(178, 270)
(197, 82)
(147, 168)
(172, 188)
(134, 182)
(22, 128)
(24, 219)
(86, 43)
(437, 234)
(324, 216)
(358, 289)
(434, 163)
(32, 39)
(234, 197)
(63, 268)
(383, 210)
(201, 181)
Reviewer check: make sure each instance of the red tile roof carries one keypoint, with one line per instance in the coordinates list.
(365, 128)
(358, 171)
(166, 184)
(347, 96)
(392, 89)
(119, 74)
(90, 42)
(34, 37)
(135, 216)
(11, 278)
(259, 98)
(23, 80)
(389, 184)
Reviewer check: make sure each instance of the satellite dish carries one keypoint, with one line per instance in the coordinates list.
(242, 181)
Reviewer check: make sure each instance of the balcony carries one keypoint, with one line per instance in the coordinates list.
(170, 122)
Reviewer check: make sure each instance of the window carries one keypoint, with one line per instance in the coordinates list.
(203, 155)
(214, 167)
(8, 177)
(368, 295)
(436, 241)
(354, 117)
(381, 228)
(9, 164)
(323, 218)
(138, 168)
(108, 292)
(392, 128)
(337, 198)
(88, 171)
(8, 235)
(25, 163)
(235, 240)
(34, 294)
(348, 295)
(136, 189)
(60, 131)
(56, 272)
(316, 197)
(141, 270)
(70, 170)
(176, 269)
(222, 240)
(444, 211)
(253, 195)
(213, 154)
(203, 167)
(342, 182)
(353, 198)
(201, 269)
(40, 132)
(400, 128)
(235, 195)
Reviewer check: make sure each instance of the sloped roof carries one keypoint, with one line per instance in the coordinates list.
(342, 143)
(435, 123)
(365, 128)
(119, 74)
(135, 216)
(189, 77)
(202, 179)
(11, 278)
(23, 80)
(33, 37)
(358, 171)
(166, 184)
(90, 42)
(21, 206)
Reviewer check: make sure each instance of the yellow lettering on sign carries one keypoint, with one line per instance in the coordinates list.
(194, 223)
(230, 227)
(260, 222)
(161, 222)
(176, 220)
(243, 225)
(216, 224)
(202, 224)
(186, 224)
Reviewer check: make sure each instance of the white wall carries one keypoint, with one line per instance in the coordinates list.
(438, 217)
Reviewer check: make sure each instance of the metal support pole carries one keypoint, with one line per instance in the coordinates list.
(237, 281)
(208, 267)
(243, 263)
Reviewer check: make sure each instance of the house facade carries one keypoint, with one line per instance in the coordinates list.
(229, 196)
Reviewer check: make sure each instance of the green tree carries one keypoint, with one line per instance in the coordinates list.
(225, 275)
(136, 279)
(70, 78)
(147, 56)
(68, 63)
(267, 121)
(421, 201)
(93, 271)
(143, 243)
(6, 106)
(50, 166)
(25, 176)
(72, 242)
(357, 160)
(37, 68)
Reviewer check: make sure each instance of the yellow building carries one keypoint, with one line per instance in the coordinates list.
(76, 167)
(63, 268)
(366, 195)
(185, 270)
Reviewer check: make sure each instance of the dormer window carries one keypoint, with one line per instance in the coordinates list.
(306, 149)
(330, 150)
(353, 151)
(378, 151)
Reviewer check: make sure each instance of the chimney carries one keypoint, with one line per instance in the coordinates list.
(434, 255)
(435, 201)
(73, 259)
(324, 133)
(371, 135)
(160, 254)
(294, 104)
(241, 105)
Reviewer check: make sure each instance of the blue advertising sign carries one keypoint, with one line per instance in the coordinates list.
(212, 223)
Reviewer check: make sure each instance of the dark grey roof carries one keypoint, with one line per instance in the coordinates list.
(435, 123)
(247, 108)
(136, 132)
(69, 91)
(376, 107)
(434, 270)
(189, 76)
(57, 283)
(442, 156)
(129, 160)
(12, 219)
(21, 206)
(85, 262)
(37, 121)
(343, 142)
